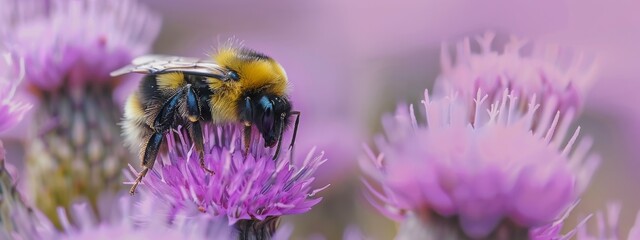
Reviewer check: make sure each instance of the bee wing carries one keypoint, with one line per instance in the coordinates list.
(149, 64)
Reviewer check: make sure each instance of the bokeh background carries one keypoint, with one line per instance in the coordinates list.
(351, 61)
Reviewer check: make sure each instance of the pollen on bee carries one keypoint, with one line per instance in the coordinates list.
(193, 118)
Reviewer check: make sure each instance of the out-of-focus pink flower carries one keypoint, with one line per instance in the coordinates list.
(552, 231)
(122, 218)
(353, 233)
(607, 227)
(77, 41)
(558, 76)
(254, 187)
(11, 111)
(483, 170)
(127, 224)
(69, 48)
(338, 140)
(15, 215)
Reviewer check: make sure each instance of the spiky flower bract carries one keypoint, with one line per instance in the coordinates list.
(475, 170)
(144, 220)
(74, 149)
(607, 226)
(78, 42)
(122, 218)
(252, 191)
(559, 76)
(11, 110)
(13, 209)
(15, 214)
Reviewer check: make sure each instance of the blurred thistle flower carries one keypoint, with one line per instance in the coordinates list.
(69, 47)
(14, 212)
(558, 76)
(121, 218)
(252, 191)
(11, 111)
(340, 146)
(145, 220)
(608, 228)
(78, 42)
(553, 230)
(12, 206)
(353, 233)
(491, 176)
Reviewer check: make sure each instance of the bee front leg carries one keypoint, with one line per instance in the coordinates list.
(247, 114)
(150, 154)
(246, 138)
(293, 138)
(195, 131)
(277, 154)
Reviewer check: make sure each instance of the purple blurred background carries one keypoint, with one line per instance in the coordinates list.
(351, 61)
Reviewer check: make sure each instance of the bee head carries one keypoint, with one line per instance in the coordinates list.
(251, 71)
(270, 114)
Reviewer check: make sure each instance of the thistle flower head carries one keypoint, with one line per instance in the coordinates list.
(11, 111)
(558, 75)
(14, 213)
(607, 227)
(77, 41)
(123, 219)
(68, 48)
(144, 220)
(254, 187)
(483, 168)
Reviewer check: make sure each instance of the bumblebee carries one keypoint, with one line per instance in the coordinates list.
(238, 85)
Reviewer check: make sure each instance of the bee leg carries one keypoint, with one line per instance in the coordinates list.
(247, 138)
(165, 117)
(247, 114)
(150, 154)
(275, 156)
(161, 123)
(293, 138)
(195, 132)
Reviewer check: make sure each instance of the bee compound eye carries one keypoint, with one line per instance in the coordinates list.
(233, 75)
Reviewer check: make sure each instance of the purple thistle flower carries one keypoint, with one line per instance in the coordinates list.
(11, 111)
(73, 148)
(353, 233)
(552, 231)
(72, 42)
(15, 215)
(121, 218)
(476, 171)
(148, 226)
(557, 75)
(607, 227)
(243, 189)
